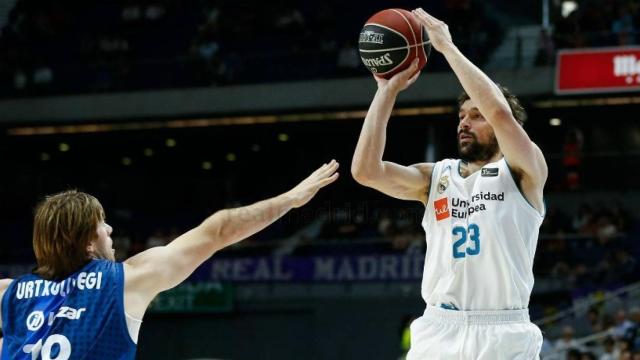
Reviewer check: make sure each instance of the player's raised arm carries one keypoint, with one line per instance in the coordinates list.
(162, 268)
(520, 152)
(367, 167)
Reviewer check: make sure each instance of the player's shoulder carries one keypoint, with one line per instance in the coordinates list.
(446, 163)
(144, 265)
(4, 284)
(425, 168)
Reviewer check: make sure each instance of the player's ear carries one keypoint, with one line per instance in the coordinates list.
(91, 248)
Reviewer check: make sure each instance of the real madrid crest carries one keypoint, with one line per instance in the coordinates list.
(443, 184)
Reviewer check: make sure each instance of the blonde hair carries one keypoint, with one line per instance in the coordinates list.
(63, 227)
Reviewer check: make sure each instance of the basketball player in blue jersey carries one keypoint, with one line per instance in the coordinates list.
(81, 304)
(482, 215)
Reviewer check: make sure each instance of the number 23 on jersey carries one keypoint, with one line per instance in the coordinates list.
(466, 241)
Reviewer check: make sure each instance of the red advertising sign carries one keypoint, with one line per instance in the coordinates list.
(598, 70)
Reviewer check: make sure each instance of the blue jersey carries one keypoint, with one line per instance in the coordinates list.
(81, 317)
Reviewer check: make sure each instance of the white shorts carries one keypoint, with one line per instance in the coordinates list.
(474, 335)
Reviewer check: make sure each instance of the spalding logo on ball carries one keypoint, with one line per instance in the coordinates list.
(390, 40)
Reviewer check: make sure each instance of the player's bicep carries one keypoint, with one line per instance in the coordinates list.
(404, 182)
(526, 158)
(164, 267)
(519, 151)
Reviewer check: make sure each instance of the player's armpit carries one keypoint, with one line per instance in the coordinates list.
(161, 268)
(164, 267)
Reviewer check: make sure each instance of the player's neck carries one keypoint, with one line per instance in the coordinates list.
(469, 167)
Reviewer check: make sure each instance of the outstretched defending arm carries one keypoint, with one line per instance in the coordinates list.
(367, 167)
(162, 268)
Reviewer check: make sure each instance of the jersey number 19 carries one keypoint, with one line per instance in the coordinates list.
(44, 350)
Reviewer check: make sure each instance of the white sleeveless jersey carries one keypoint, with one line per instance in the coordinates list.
(481, 239)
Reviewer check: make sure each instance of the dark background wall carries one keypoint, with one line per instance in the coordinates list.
(313, 329)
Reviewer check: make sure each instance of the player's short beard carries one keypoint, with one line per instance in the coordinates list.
(474, 151)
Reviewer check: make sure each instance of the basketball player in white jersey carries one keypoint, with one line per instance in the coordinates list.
(482, 215)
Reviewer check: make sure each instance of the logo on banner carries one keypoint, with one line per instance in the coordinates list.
(442, 208)
(598, 70)
(627, 66)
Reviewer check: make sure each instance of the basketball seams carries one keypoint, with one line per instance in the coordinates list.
(422, 41)
(424, 51)
(395, 48)
(413, 33)
(408, 23)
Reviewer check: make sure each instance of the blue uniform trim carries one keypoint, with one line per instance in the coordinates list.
(449, 306)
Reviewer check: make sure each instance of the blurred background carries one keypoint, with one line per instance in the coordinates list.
(169, 110)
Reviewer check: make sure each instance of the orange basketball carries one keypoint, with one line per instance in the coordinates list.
(390, 40)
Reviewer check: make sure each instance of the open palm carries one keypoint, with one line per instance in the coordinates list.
(306, 190)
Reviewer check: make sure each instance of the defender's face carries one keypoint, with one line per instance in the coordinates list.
(476, 139)
(102, 246)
